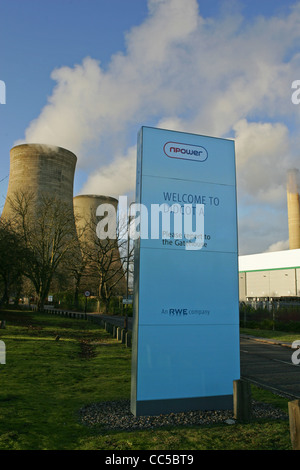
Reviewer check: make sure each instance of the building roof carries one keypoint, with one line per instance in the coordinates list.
(270, 260)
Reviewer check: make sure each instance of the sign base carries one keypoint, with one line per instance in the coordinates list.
(178, 405)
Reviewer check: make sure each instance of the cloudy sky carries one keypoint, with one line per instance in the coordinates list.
(86, 75)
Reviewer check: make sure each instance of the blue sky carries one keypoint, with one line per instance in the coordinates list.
(85, 75)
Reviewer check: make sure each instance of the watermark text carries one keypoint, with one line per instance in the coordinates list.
(164, 222)
(2, 92)
(296, 354)
(296, 94)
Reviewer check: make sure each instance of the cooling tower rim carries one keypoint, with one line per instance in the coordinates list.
(95, 196)
(44, 148)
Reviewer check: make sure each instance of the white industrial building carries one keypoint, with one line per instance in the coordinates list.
(271, 275)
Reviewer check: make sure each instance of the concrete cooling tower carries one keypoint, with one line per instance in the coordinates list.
(85, 207)
(293, 209)
(40, 170)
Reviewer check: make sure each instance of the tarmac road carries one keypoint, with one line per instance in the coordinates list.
(270, 366)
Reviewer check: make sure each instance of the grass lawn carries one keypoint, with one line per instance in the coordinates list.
(272, 334)
(45, 382)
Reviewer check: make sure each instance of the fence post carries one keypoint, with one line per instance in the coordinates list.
(294, 420)
(119, 333)
(128, 339)
(123, 336)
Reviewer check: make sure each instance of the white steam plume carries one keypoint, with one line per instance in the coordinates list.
(222, 77)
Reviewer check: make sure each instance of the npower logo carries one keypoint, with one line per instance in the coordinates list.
(195, 153)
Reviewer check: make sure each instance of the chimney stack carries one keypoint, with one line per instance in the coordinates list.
(293, 208)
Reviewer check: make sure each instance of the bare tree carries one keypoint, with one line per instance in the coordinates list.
(108, 269)
(106, 261)
(11, 261)
(78, 265)
(49, 236)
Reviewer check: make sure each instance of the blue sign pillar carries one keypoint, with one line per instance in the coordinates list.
(185, 351)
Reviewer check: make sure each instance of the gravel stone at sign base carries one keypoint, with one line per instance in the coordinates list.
(116, 415)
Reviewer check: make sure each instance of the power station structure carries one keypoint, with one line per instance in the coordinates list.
(270, 276)
(293, 209)
(85, 208)
(39, 170)
(275, 275)
(86, 219)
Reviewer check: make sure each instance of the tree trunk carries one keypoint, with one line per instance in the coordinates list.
(76, 293)
(40, 303)
(19, 292)
(5, 297)
(106, 302)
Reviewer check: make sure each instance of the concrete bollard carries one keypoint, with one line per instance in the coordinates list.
(294, 420)
(242, 400)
